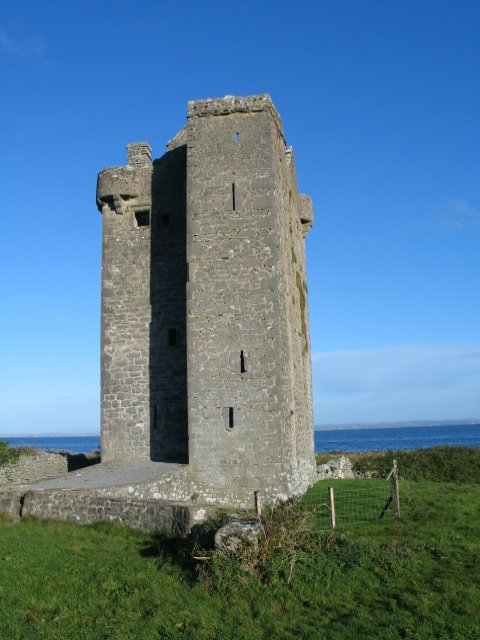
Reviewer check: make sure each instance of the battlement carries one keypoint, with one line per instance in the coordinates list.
(234, 104)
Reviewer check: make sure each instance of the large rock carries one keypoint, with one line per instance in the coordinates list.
(232, 536)
(340, 467)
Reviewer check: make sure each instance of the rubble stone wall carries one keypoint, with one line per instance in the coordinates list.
(29, 469)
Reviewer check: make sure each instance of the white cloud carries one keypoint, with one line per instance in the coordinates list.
(456, 214)
(397, 383)
(31, 46)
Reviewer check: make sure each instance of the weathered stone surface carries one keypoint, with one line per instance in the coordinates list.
(30, 469)
(340, 467)
(205, 331)
(11, 503)
(232, 536)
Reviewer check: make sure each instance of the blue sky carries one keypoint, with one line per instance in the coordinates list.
(381, 101)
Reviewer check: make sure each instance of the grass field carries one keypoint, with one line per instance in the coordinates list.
(417, 579)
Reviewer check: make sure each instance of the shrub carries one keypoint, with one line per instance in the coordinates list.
(291, 553)
(8, 455)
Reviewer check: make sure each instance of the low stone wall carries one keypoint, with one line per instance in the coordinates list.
(341, 468)
(30, 469)
(83, 507)
(11, 503)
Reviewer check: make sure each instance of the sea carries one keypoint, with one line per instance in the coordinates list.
(387, 438)
(339, 439)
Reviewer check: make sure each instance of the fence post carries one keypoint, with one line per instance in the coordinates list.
(258, 503)
(395, 491)
(331, 499)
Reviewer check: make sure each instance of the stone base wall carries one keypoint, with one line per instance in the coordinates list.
(183, 486)
(11, 503)
(31, 469)
(84, 507)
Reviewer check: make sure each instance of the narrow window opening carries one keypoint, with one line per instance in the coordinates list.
(188, 272)
(231, 422)
(165, 220)
(233, 196)
(142, 218)
(242, 363)
(237, 136)
(172, 337)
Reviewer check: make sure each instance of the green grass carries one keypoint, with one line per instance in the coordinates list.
(356, 501)
(417, 579)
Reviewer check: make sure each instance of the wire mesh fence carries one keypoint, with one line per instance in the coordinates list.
(345, 506)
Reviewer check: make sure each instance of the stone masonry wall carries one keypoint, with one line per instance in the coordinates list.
(245, 351)
(232, 303)
(29, 469)
(205, 335)
(168, 274)
(85, 507)
(125, 404)
(294, 319)
(82, 507)
(144, 394)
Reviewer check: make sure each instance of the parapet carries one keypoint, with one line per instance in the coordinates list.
(234, 104)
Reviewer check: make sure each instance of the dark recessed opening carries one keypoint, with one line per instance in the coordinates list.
(233, 196)
(231, 422)
(142, 218)
(165, 220)
(242, 363)
(155, 417)
(172, 337)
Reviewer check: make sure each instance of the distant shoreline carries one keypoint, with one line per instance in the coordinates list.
(474, 422)
(398, 425)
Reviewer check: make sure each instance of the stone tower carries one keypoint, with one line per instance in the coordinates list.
(205, 333)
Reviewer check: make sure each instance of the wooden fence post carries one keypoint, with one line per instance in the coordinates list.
(395, 491)
(331, 499)
(258, 503)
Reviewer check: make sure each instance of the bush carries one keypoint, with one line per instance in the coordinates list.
(8, 455)
(285, 533)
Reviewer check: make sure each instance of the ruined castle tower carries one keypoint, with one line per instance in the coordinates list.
(205, 333)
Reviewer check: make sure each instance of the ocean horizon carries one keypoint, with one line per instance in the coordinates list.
(340, 438)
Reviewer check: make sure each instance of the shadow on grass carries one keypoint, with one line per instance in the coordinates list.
(181, 551)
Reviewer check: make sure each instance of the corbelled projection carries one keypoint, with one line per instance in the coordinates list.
(205, 333)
